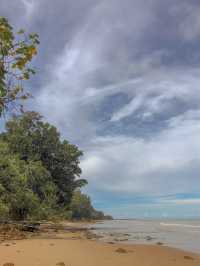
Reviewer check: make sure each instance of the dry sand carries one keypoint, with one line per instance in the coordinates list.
(76, 251)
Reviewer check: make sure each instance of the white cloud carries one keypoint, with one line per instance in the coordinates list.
(155, 92)
(167, 163)
(128, 109)
(30, 7)
(94, 65)
(68, 92)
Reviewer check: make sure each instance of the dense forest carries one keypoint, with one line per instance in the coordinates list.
(39, 172)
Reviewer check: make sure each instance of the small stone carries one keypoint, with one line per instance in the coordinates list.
(159, 243)
(149, 238)
(188, 258)
(121, 250)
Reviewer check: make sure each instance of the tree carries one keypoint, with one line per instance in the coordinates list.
(81, 206)
(17, 199)
(40, 173)
(34, 140)
(82, 209)
(16, 53)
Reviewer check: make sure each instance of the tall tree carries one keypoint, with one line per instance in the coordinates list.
(40, 173)
(25, 188)
(16, 53)
(34, 140)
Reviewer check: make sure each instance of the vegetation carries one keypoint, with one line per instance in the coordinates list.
(39, 172)
(16, 52)
(81, 208)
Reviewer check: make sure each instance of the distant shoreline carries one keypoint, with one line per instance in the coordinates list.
(158, 219)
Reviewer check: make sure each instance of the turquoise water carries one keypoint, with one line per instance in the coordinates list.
(182, 234)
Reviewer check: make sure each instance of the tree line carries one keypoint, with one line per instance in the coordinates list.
(39, 172)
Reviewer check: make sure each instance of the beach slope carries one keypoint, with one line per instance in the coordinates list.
(83, 252)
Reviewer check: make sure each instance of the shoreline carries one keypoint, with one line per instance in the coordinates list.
(77, 246)
(178, 234)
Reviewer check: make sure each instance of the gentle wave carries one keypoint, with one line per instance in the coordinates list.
(182, 234)
(181, 225)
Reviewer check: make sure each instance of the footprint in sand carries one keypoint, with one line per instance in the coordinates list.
(188, 258)
(121, 250)
(60, 264)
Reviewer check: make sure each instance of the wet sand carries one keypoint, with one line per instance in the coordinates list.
(72, 249)
(181, 234)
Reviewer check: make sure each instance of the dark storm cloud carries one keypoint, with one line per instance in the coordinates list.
(132, 31)
(13, 10)
(55, 21)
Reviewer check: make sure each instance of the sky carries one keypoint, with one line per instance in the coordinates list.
(120, 79)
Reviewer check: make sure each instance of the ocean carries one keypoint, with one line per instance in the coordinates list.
(182, 234)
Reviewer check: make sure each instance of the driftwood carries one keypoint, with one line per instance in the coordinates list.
(30, 227)
(15, 230)
(21, 226)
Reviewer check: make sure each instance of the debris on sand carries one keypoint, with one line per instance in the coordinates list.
(11, 232)
(188, 258)
(159, 243)
(121, 250)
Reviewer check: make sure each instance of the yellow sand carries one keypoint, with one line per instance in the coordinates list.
(82, 252)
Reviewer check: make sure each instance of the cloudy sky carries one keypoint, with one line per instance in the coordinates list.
(121, 79)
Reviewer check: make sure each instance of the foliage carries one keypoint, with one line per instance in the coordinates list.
(35, 140)
(81, 208)
(21, 195)
(38, 171)
(16, 53)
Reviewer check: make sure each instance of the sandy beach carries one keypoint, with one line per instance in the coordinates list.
(74, 249)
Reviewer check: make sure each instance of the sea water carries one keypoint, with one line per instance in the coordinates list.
(182, 234)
